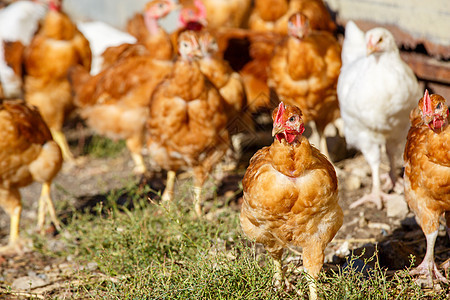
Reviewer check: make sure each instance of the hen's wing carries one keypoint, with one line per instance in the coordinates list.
(226, 13)
(28, 122)
(113, 54)
(100, 37)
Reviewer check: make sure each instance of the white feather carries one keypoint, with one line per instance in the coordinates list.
(11, 83)
(376, 94)
(19, 20)
(101, 36)
(354, 45)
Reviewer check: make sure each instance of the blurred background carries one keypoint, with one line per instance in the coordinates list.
(421, 28)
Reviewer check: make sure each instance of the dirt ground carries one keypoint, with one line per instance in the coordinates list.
(365, 227)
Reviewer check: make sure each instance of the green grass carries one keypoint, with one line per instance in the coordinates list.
(101, 147)
(157, 252)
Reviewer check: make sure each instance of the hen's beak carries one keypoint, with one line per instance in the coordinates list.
(371, 48)
(277, 128)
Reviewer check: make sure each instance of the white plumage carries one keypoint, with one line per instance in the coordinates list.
(354, 45)
(101, 36)
(18, 22)
(10, 82)
(376, 93)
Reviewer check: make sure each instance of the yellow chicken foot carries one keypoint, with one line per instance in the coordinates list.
(41, 212)
(46, 204)
(198, 200)
(323, 145)
(138, 160)
(50, 206)
(14, 246)
(312, 288)
(60, 139)
(167, 196)
(278, 276)
(428, 267)
(14, 226)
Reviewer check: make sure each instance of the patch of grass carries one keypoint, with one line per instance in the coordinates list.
(165, 252)
(101, 147)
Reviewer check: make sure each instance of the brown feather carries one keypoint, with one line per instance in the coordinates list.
(427, 169)
(291, 198)
(305, 73)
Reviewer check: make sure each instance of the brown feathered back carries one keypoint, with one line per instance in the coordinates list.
(28, 121)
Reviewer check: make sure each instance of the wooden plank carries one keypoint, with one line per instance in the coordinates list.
(428, 68)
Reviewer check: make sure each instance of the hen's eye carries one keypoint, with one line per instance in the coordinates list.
(380, 40)
(438, 106)
(292, 119)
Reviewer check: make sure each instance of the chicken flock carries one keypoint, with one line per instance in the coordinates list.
(189, 98)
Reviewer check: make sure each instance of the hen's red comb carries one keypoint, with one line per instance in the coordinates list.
(54, 6)
(427, 109)
(280, 113)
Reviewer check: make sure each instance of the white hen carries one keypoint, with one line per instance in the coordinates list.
(376, 93)
(18, 22)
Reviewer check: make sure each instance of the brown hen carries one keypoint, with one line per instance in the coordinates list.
(304, 71)
(427, 174)
(268, 23)
(147, 31)
(226, 13)
(231, 88)
(187, 124)
(57, 46)
(291, 196)
(273, 15)
(115, 102)
(27, 154)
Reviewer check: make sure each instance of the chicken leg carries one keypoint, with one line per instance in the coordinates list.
(61, 140)
(134, 144)
(428, 266)
(318, 138)
(278, 274)
(167, 195)
(11, 203)
(46, 204)
(198, 200)
(313, 257)
(138, 160)
(376, 196)
(372, 156)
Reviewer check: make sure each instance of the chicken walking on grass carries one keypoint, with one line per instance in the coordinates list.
(187, 124)
(376, 91)
(27, 154)
(427, 174)
(291, 196)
